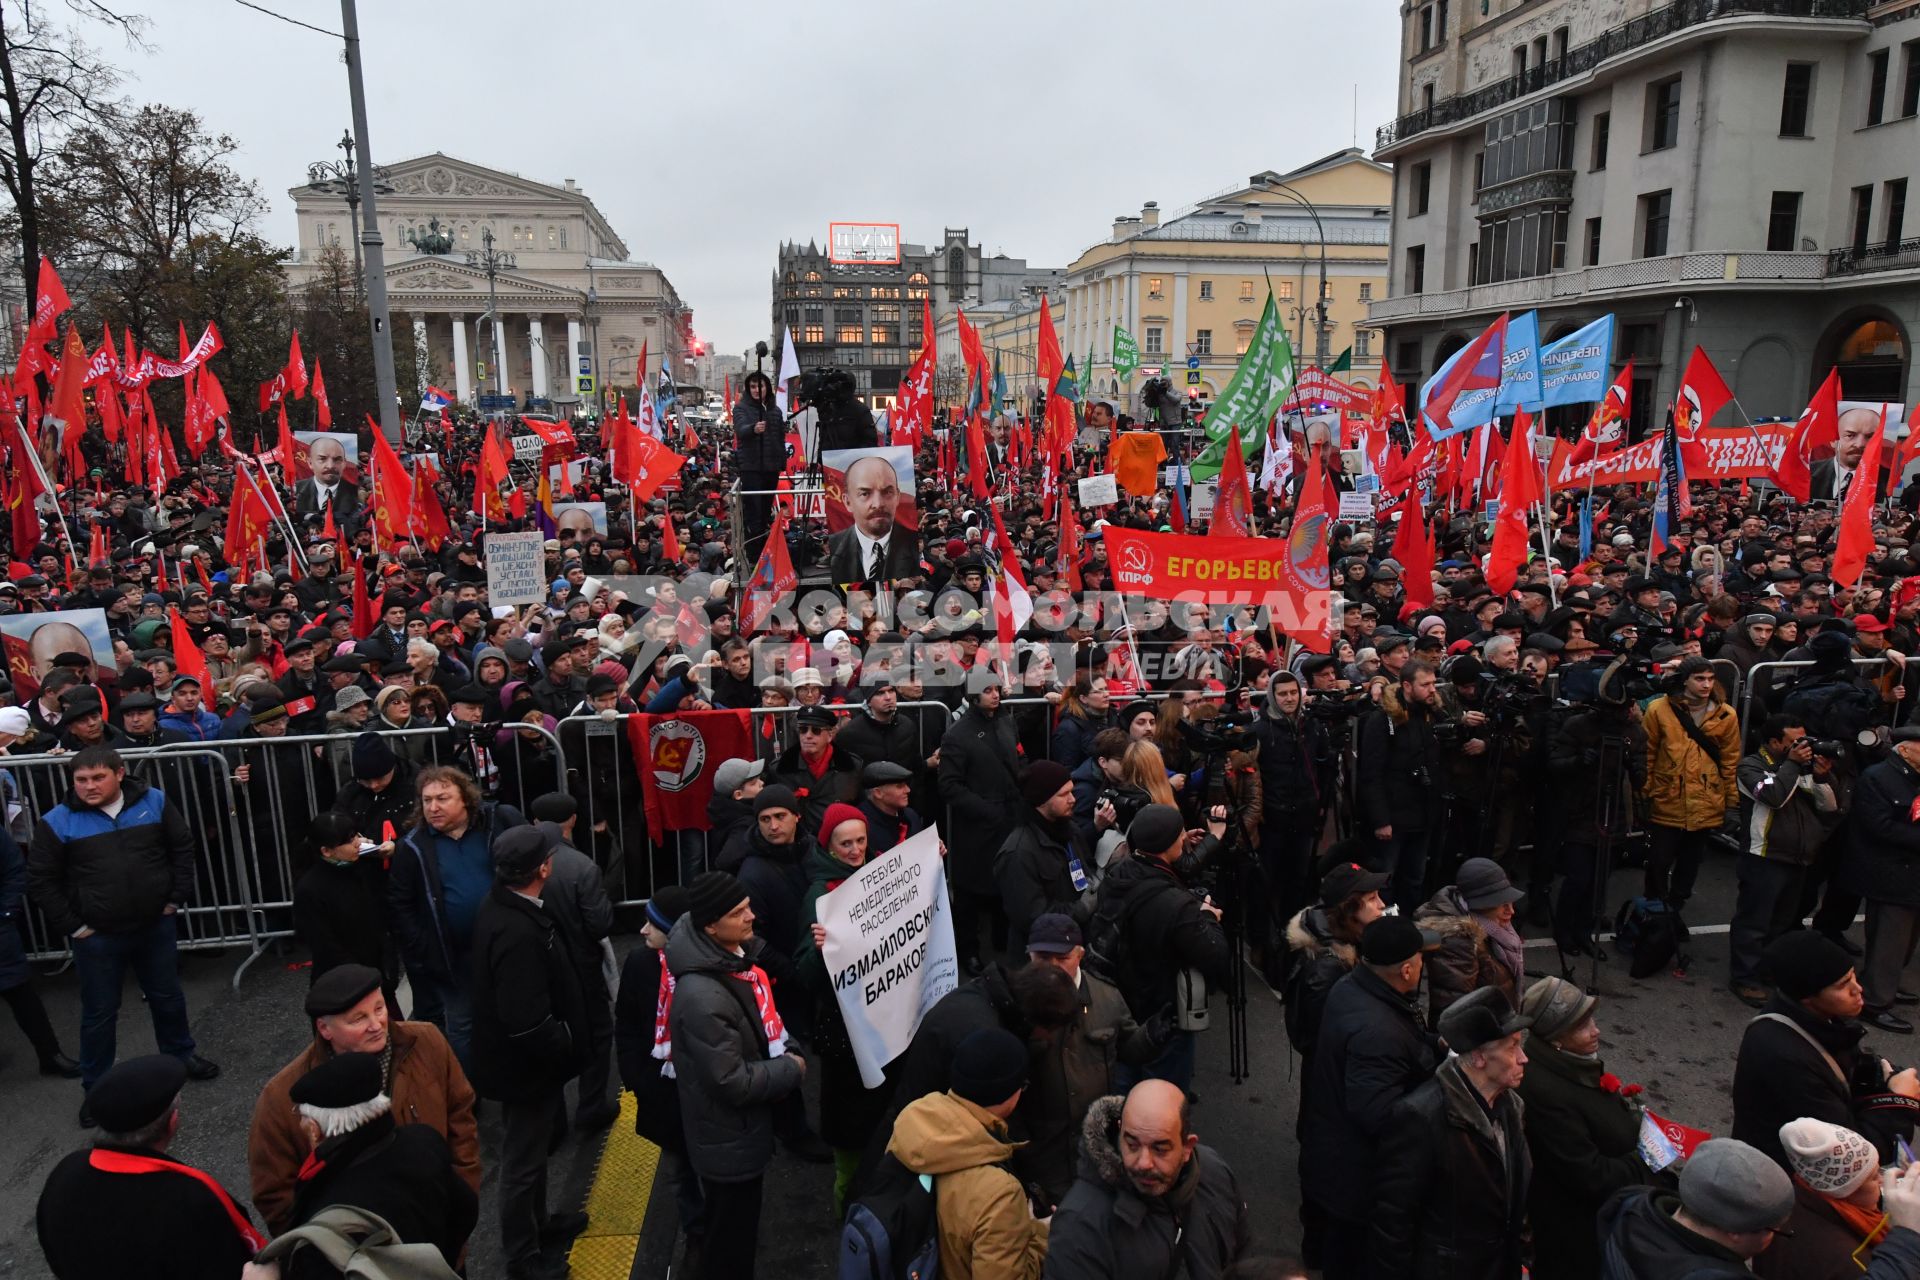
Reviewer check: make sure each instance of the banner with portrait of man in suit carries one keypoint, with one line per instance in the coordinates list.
(873, 526)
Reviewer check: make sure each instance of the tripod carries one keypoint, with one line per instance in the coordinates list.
(1233, 846)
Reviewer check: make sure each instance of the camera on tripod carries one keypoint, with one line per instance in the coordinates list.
(1164, 406)
(1229, 731)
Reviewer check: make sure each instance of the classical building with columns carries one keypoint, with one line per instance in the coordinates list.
(573, 311)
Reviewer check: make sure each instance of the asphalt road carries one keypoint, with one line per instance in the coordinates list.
(1675, 1035)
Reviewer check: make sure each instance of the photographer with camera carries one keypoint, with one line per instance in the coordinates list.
(1597, 764)
(1297, 782)
(1787, 807)
(1397, 787)
(1153, 932)
(1103, 803)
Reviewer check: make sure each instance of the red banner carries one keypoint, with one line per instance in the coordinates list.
(1289, 576)
(1737, 454)
(676, 757)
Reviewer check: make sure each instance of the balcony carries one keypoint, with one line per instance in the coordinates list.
(1579, 61)
(1891, 255)
(1688, 270)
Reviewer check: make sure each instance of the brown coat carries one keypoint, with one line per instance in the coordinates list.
(987, 1229)
(428, 1088)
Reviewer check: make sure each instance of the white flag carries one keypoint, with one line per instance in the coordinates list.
(789, 369)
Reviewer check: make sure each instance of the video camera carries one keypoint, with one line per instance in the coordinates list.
(1229, 731)
(1127, 803)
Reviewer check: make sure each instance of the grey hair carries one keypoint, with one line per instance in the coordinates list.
(334, 1121)
(149, 1135)
(1500, 644)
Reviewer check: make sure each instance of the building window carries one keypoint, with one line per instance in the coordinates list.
(1520, 63)
(1246, 291)
(1286, 291)
(1153, 286)
(792, 316)
(845, 291)
(1533, 139)
(1203, 342)
(1419, 188)
(847, 315)
(1562, 37)
(1862, 218)
(1656, 211)
(1242, 339)
(1796, 99)
(1479, 174)
(1877, 85)
(1593, 243)
(1783, 222)
(1416, 268)
(1363, 344)
(884, 291)
(917, 291)
(886, 335)
(1910, 89)
(1663, 114)
(1602, 134)
(1426, 28)
(814, 333)
(814, 315)
(1515, 246)
(1154, 338)
(1896, 210)
(887, 313)
(849, 334)
(1366, 291)
(1206, 291)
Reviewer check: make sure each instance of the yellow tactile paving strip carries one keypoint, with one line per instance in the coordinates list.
(617, 1202)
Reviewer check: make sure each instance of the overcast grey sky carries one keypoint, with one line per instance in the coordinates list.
(709, 132)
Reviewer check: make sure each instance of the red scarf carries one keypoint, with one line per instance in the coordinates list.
(769, 1014)
(662, 1039)
(818, 768)
(127, 1162)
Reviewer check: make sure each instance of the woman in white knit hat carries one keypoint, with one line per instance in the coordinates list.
(1847, 1219)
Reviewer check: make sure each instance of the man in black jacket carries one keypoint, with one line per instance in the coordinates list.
(1450, 1191)
(816, 768)
(979, 779)
(530, 1033)
(1147, 926)
(1043, 865)
(1373, 1050)
(1296, 783)
(877, 731)
(1888, 844)
(760, 453)
(109, 868)
(886, 802)
(1397, 780)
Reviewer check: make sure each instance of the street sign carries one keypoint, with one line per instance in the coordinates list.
(497, 404)
(1193, 377)
(586, 364)
(1193, 362)
(583, 385)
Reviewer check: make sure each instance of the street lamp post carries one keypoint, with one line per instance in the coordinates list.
(593, 327)
(493, 263)
(1320, 303)
(337, 178)
(379, 319)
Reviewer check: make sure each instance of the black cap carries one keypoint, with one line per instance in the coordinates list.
(1054, 934)
(518, 853)
(138, 702)
(776, 797)
(1395, 940)
(598, 684)
(989, 1066)
(344, 661)
(1347, 879)
(881, 772)
(299, 644)
(1155, 829)
(340, 988)
(554, 806)
(817, 716)
(136, 1093)
(344, 1080)
(471, 695)
(1479, 1018)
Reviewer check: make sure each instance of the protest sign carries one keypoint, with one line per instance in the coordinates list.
(1356, 506)
(527, 449)
(1099, 491)
(33, 640)
(585, 518)
(889, 949)
(516, 568)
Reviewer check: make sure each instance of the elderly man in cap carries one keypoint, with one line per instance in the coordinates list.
(818, 771)
(127, 1208)
(348, 1013)
(1373, 1049)
(1045, 863)
(886, 804)
(1452, 1182)
(530, 1036)
(733, 1064)
(140, 721)
(1732, 1202)
(1803, 1055)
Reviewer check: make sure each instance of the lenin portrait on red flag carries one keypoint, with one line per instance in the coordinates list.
(874, 525)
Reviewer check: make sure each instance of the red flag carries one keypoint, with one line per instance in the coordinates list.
(1856, 514)
(323, 412)
(1702, 395)
(1233, 496)
(676, 757)
(393, 500)
(1606, 430)
(670, 542)
(296, 370)
(977, 482)
(68, 402)
(187, 658)
(773, 577)
(248, 522)
(49, 304)
(1520, 488)
(364, 618)
(1413, 548)
(489, 476)
(293, 458)
(1477, 368)
(974, 356)
(1304, 572)
(1819, 427)
(654, 465)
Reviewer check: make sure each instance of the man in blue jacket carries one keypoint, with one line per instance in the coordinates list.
(110, 868)
(185, 715)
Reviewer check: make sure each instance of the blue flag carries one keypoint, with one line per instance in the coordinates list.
(1520, 366)
(1586, 530)
(1577, 369)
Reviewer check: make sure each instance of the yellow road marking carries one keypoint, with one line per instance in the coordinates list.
(617, 1202)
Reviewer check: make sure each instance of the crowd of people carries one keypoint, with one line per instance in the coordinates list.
(1130, 799)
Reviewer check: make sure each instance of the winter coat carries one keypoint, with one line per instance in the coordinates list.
(1450, 1189)
(340, 912)
(1819, 1245)
(1641, 1241)
(776, 881)
(868, 740)
(1035, 869)
(728, 1080)
(1785, 814)
(980, 782)
(1397, 780)
(1686, 788)
(13, 903)
(840, 784)
(371, 810)
(530, 1030)
(1073, 736)
(416, 907)
(1162, 929)
(656, 1113)
(1465, 961)
(1296, 766)
(1573, 761)
(1105, 1230)
(850, 1112)
(760, 452)
(885, 830)
(404, 1173)
(114, 875)
(987, 1231)
(1323, 960)
(1585, 1146)
(1373, 1050)
(728, 819)
(1885, 840)
(1073, 1070)
(96, 1225)
(927, 1065)
(576, 893)
(1778, 1077)
(425, 1082)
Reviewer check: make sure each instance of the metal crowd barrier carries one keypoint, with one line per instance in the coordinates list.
(1760, 681)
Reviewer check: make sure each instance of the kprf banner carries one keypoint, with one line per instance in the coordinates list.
(676, 757)
(1290, 577)
(1730, 454)
(889, 949)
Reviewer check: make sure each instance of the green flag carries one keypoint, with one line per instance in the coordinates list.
(1126, 354)
(1343, 364)
(1255, 392)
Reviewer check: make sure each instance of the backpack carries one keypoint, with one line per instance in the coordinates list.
(891, 1232)
(1652, 935)
(360, 1246)
(1106, 932)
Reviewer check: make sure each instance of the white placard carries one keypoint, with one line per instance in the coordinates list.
(1356, 506)
(1366, 482)
(1099, 491)
(527, 448)
(516, 567)
(889, 949)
